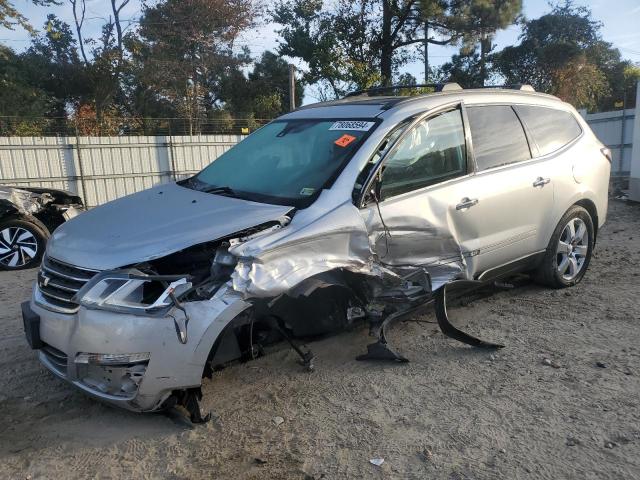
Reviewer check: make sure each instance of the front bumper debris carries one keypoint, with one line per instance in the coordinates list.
(139, 386)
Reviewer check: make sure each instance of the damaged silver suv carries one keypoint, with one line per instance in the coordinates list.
(362, 209)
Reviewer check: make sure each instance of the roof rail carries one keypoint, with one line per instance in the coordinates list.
(438, 87)
(514, 86)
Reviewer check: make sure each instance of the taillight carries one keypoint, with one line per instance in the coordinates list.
(607, 153)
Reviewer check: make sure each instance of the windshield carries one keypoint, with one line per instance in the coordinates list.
(285, 162)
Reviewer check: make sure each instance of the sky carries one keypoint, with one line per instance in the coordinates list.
(620, 20)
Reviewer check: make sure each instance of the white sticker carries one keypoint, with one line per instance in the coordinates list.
(306, 191)
(358, 125)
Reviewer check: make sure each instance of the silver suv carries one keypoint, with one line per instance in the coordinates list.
(366, 208)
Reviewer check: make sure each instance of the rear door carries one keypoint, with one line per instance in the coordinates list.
(505, 208)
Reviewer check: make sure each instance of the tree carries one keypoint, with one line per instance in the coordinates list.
(478, 21)
(264, 93)
(52, 65)
(354, 44)
(562, 53)
(10, 17)
(18, 97)
(439, 20)
(185, 48)
(621, 75)
(79, 8)
(464, 68)
(108, 56)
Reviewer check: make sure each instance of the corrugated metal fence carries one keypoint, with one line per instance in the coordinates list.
(615, 130)
(101, 169)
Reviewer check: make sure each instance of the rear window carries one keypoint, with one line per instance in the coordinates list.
(551, 129)
(498, 136)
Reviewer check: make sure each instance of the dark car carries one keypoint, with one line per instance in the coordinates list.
(27, 218)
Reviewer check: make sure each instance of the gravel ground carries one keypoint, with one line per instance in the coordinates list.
(560, 401)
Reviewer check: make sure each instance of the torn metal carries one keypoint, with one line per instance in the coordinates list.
(23, 201)
(50, 206)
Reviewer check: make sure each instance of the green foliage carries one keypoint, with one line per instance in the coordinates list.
(10, 16)
(562, 53)
(185, 49)
(478, 21)
(270, 78)
(18, 97)
(356, 44)
(335, 48)
(464, 68)
(182, 64)
(52, 65)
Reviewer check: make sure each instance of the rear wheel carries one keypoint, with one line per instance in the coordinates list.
(569, 251)
(22, 244)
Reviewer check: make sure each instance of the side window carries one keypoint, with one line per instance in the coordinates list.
(382, 150)
(498, 137)
(433, 151)
(551, 129)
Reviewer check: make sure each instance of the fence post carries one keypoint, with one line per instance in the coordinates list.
(172, 160)
(81, 169)
(634, 176)
(624, 120)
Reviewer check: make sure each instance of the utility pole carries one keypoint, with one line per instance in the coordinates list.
(292, 87)
(426, 51)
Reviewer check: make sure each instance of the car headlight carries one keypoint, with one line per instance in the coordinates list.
(131, 292)
(111, 358)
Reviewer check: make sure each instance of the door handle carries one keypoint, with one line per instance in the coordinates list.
(541, 182)
(466, 202)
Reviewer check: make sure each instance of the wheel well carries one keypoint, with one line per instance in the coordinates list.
(590, 207)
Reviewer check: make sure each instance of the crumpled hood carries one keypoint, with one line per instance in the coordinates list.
(153, 223)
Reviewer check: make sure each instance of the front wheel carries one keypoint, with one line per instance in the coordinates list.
(569, 251)
(22, 244)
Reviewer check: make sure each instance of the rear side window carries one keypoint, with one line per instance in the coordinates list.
(498, 136)
(551, 129)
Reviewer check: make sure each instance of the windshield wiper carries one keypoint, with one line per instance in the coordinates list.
(219, 190)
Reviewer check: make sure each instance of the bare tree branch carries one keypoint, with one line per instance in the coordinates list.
(116, 20)
(79, 21)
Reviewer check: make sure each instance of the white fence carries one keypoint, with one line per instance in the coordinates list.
(101, 169)
(615, 130)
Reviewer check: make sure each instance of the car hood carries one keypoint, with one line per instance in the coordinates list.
(153, 223)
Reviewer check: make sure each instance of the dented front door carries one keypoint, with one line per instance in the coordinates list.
(410, 225)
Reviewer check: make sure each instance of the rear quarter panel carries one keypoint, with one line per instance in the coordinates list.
(582, 173)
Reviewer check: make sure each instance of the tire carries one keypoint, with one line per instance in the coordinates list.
(569, 251)
(22, 244)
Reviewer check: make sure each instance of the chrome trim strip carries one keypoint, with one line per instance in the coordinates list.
(39, 299)
(48, 268)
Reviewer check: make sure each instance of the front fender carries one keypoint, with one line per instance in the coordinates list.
(208, 319)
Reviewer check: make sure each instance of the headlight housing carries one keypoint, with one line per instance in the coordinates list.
(132, 292)
(111, 358)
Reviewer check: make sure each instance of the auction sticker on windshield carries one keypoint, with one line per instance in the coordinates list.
(344, 140)
(358, 125)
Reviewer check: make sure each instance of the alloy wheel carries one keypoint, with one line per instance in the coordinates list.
(18, 246)
(573, 248)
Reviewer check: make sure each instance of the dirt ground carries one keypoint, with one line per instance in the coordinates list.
(452, 413)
